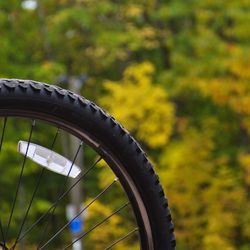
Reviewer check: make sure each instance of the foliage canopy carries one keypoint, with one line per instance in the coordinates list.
(176, 74)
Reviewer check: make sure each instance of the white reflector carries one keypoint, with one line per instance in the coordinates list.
(49, 159)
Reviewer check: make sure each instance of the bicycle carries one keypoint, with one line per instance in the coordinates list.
(24, 102)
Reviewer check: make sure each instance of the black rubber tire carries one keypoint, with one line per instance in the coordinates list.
(108, 137)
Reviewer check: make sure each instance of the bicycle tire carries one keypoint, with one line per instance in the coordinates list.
(85, 119)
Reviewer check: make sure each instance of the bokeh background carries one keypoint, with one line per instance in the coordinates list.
(175, 73)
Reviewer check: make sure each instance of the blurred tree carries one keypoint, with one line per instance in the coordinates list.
(177, 77)
(143, 107)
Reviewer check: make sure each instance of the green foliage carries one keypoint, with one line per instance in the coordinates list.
(176, 74)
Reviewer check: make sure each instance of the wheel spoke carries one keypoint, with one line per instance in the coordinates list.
(58, 200)
(34, 193)
(97, 225)
(82, 210)
(3, 133)
(45, 184)
(1, 144)
(2, 233)
(59, 194)
(122, 239)
(20, 179)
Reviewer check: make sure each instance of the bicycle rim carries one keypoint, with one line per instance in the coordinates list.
(36, 115)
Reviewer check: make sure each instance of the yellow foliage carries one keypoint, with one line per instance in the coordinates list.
(185, 170)
(246, 124)
(133, 10)
(224, 188)
(105, 174)
(232, 90)
(226, 92)
(214, 241)
(142, 37)
(245, 164)
(140, 105)
(241, 67)
(194, 182)
(98, 52)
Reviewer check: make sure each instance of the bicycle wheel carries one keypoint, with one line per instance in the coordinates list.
(44, 110)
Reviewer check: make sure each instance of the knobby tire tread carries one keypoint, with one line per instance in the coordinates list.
(161, 220)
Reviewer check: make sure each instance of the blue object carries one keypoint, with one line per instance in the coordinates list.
(76, 226)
